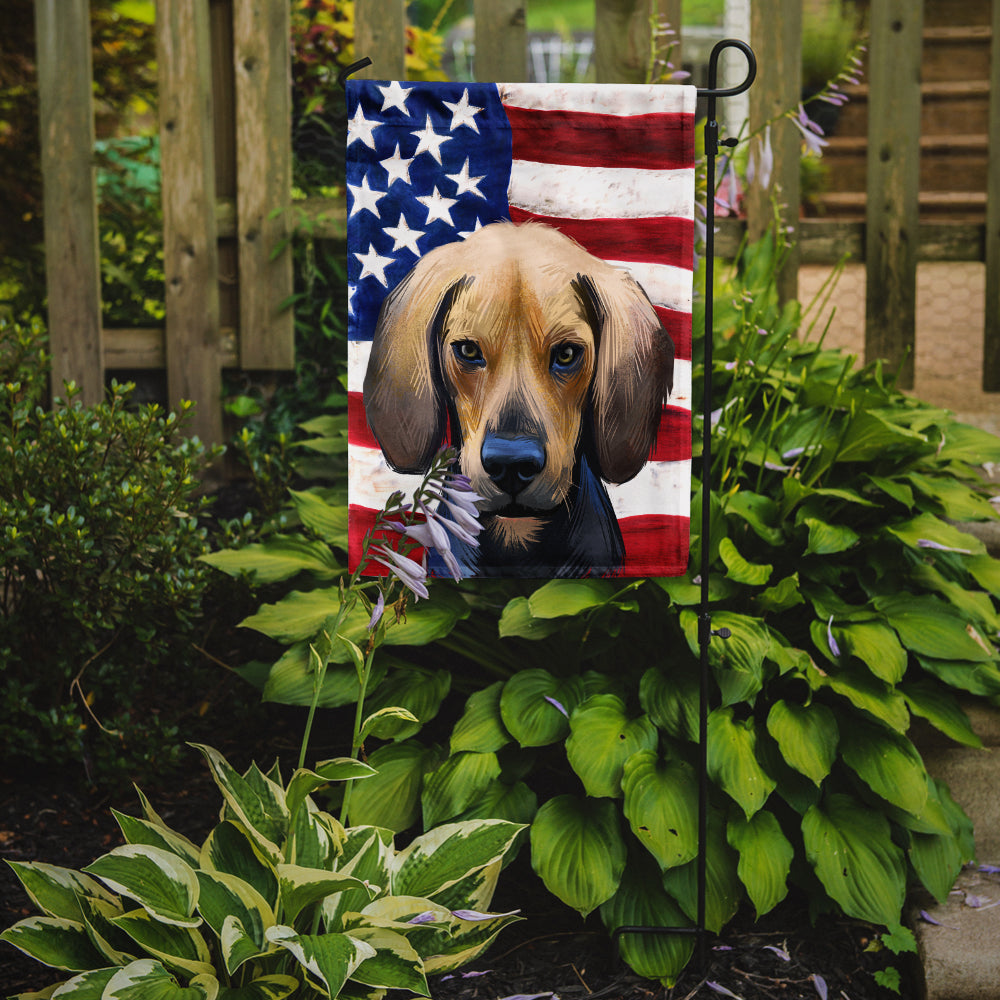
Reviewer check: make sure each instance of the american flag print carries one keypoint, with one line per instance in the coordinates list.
(610, 166)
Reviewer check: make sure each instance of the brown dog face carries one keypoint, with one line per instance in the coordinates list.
(517, 332)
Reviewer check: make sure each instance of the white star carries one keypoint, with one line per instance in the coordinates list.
(374, 264)
(395, 97)
(360, 128)
(403, 236)
(364, 197)
(397, 167)
(464, 236)
(438, 207)
(463, 113)
(351, 289)
(465, 183)
(430, 142)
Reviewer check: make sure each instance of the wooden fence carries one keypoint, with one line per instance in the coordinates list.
(226, 160)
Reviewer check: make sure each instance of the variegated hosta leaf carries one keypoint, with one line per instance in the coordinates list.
(732, 760)
(225, 897)
(642, 902)
(315, 838)
(86, 986)
(456, 784)
(850, 847)
(256, 801)
(55, 941)
(807, 736)
(56, 891)
(158, 880)
(481, 727)
(141, 831)
(300, 887)
(441, 857)
(468, 939)
(578, 851)
(230, 849)
(395, 964)
(147, 979)
(275, 987)
(765, 858)
(329, 959)
(367, 853)
(177, 947)
(476, 890)
(661, 805)
(535, 706)
(238, 944)
(602, 737)
(116, 946)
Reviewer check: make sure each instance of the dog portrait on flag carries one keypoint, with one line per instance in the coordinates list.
(520, 262)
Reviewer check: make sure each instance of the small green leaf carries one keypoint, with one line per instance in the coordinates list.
(481, 727)
(279, 558)
(941, 709)
(807, 736)
(383, 724)
(888, 763)
(828, 539)
(732, 760)
(395, 964)
(783, 595)
(391, 798)
(535, 706)
(456, 785)
(562, 598)
(765, 858)
(517, 620)
(327, 520)
(671, 700)
(417, 690)
(739, 569)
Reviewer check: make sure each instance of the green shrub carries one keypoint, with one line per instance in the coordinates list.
(280, 899)
(101, 584)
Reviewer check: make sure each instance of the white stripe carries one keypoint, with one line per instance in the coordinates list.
(359, 351)
(601, 98)
(659, 488)
(665, 284)
(572, 192)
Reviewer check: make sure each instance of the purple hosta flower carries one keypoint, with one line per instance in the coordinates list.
(811, 132)
(761, 163)
(990, 869)
(727, 198)
(820, 983)
(719, 988)
(558, 705)
(377, 611)
(475, 915)
(531, 996)
(927, 543)
(780, 952)
(411, 574)
(834, 648)
(465, 975)
(427, 917)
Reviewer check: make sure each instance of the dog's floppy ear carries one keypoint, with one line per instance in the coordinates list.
(635, 371)
(404, 402)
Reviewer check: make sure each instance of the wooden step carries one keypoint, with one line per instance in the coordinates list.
(956, 53)
(957, 206)
(940, 13)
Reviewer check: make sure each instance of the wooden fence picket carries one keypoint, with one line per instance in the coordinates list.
(991, 332)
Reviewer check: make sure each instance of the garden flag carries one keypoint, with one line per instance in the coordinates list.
(520, 277)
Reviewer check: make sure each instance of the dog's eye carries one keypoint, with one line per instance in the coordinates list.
(565, 356)
(468, 352)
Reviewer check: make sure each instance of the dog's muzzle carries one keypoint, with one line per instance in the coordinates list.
(512, 462)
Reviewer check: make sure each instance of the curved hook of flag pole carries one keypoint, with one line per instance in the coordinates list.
(352, 68)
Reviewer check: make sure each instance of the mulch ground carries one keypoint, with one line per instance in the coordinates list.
(550, 953)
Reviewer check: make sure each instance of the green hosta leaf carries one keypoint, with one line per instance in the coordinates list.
(723, 889)
(225, 897)
(937, 859)
(758, 511)
(865, 692)
(807, 736)
(870, 436)
(931, 628)
(876, 646)
(54, 941)
(765, 858)
(738, 569)
(671, 700)
(517, 620)
(828, 539)
(391, 798)
(327, 520)
(986, 571)
(602, 738)
(56, 891)
(661, 800)
(850, 848)
(928, 528)
(274, 987)
(957, 501)
(418, 691)
(279, 558)
(141, 831)
(976, 605)
(230, 849)
(395, 964)
(386, 723)
(304, 782)
(578, 851)
(965, 443)
(888, 763)
(684, 593)
(641, 901)
(530, 706)
(292, 680)
(441, 857)
(738, 661)
(147, 979)
(330, 959)
(516, 803)
(456, 784)
(159, 881)
(180, 948)
(893, 488)
(562, 598)
(976, 678)
(783, 595)
(260, 809)
(301, 887)
(941, 709)
(481, 728)
(732, 760)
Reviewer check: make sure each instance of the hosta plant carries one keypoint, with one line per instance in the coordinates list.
(279, 900)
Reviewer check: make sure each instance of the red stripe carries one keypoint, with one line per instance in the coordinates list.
(655, 545)
(581, 138)
(673, 439)
(358, 431)
(654, 240)
(361, 520)
(678, 325)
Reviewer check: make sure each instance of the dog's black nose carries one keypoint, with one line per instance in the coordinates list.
(512, 462)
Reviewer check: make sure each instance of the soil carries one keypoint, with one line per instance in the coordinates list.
(550, 953)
